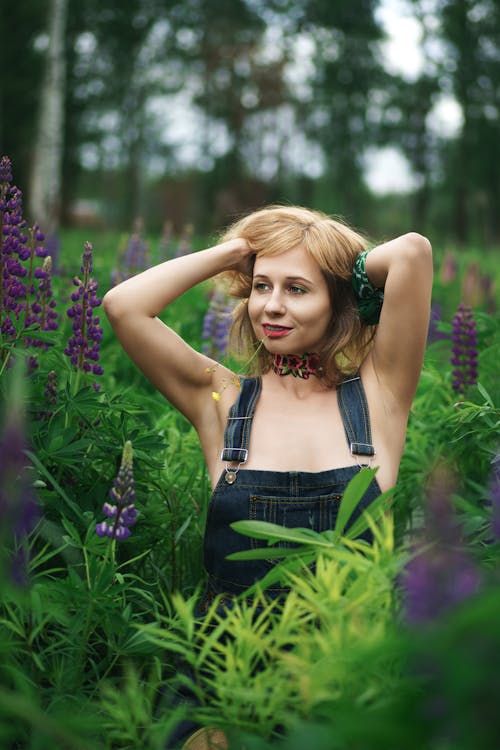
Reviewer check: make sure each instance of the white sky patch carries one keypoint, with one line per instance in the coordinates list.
(387, 171)
(181, 126)
(446, 117)
(301, 67)
(402, 52)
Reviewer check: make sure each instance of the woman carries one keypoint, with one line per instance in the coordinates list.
(332, 392)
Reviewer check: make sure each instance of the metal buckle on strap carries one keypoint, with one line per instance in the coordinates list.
(244, 451)
(368, 462)
(231, 472)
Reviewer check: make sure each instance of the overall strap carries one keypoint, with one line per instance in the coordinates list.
(355, 416)
(239, 421)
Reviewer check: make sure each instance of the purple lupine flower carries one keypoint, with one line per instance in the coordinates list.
(184, 246)
(35, 236)
(43, 308)
(433, 333)
(136, 254)
(494, 492)
(133, 259)
(441, 574)
(50, 394)
(487, 284)
(22, 282)
(41, 311)
(121, 512)
(50, 391)
(83, 346)
(165, 243)
(216, 324)
(53, 248)
(13, 251)
(464, 348)
(449, 268)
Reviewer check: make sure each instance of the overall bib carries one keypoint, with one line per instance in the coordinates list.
(288, 498)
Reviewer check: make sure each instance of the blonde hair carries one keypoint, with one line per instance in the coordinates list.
(335, 247)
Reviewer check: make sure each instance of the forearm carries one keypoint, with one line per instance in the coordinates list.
(149, 292)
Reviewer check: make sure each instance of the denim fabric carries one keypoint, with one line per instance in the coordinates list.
(288, 498)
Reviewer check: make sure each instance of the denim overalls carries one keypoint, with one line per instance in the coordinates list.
(288, 498)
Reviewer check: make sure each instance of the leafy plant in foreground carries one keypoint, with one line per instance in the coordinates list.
(18, 503)
(257, 663)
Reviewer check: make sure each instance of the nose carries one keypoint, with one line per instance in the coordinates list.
(275, 304)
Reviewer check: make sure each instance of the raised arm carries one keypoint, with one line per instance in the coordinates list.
(175, 369)
(402, 266)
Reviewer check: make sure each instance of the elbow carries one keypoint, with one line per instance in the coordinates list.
(113, 305)
(416, 250)
(418, 256)
(418, 244)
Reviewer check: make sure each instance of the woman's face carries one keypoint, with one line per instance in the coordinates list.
(289, 305)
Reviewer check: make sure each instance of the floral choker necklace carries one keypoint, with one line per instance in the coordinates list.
(298, 365)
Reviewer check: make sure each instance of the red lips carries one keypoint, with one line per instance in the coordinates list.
(274, 331)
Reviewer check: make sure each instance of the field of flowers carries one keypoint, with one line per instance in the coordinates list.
(103, 495)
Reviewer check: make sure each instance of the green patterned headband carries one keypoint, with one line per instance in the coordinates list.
(368, 297)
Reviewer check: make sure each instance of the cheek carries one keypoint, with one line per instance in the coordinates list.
(253, 306)
(324, 316)
(252, 312)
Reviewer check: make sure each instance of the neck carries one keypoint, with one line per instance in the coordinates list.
(298, 365)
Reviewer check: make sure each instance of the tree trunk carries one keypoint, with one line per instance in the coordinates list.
(45, 186)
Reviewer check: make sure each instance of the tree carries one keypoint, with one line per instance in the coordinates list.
(471, 33)
(45, 187)
(346, 69)
(406, 123)
(20, 79)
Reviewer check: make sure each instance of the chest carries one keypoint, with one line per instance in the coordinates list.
(298, 435)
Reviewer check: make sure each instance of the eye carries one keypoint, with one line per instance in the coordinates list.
(294, 289)
(261, 286)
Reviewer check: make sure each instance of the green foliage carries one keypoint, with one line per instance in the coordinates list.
(259, 663)
(443, 427)
(94, 645)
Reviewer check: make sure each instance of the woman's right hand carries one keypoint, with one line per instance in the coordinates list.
(244, 256)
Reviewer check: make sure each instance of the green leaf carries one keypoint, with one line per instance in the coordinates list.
(180, 531)
(279, 573)
(373, 510)
(41, 468)
(352, 496)
(273, 532)
(72, 531)
(263, 553)
(484, 393)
